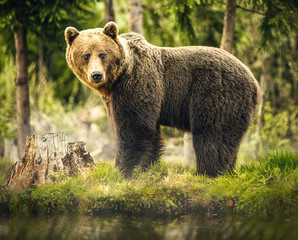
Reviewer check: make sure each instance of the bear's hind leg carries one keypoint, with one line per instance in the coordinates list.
(215, 155)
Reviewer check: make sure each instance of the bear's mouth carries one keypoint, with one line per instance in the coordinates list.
(96, 80)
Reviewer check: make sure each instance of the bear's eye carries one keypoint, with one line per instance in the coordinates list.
(102, 56)
(87, 56)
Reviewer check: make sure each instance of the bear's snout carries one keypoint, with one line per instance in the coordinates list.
(96, 76)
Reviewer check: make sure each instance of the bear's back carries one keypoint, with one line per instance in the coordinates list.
(188, 59)
(192, 72)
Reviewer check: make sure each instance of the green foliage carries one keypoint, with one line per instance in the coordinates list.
(267, 188)
(196, 22)
(279, 17)
(34, 13)
(45, 21)
(273, 133)
(5, 166)
(277, 131)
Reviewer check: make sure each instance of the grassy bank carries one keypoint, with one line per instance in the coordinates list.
(268, 187)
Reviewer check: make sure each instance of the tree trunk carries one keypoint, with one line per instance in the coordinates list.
(109, 11)
(22, 88)
(260, 115)
(46, 155)
(189, 152)
(264, 87)
(135, 9)
(229, 25)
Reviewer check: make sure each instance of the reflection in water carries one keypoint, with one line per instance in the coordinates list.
(145, 228)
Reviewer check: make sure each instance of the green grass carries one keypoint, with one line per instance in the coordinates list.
(265, 188)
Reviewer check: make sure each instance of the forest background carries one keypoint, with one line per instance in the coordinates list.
(265, 38)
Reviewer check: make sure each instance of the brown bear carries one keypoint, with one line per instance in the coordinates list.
(204, 90)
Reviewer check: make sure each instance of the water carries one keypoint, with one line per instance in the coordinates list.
(188, 227)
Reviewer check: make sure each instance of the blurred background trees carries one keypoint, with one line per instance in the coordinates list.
(265, 38)
(23, 19)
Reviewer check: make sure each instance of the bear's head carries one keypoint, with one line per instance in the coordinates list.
(95, 56)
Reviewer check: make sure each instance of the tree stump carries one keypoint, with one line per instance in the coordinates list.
(46, 155)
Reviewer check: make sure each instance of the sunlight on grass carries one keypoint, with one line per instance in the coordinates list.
(262, 188)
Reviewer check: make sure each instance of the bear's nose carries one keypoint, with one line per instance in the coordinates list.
(96, 76)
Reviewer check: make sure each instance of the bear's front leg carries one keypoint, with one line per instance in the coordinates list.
(137, 145)
(135, 112)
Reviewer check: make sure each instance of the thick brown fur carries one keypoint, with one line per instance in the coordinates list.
(204, 90)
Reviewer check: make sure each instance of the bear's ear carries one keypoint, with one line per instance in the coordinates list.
(111, 29)
(70, 34)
